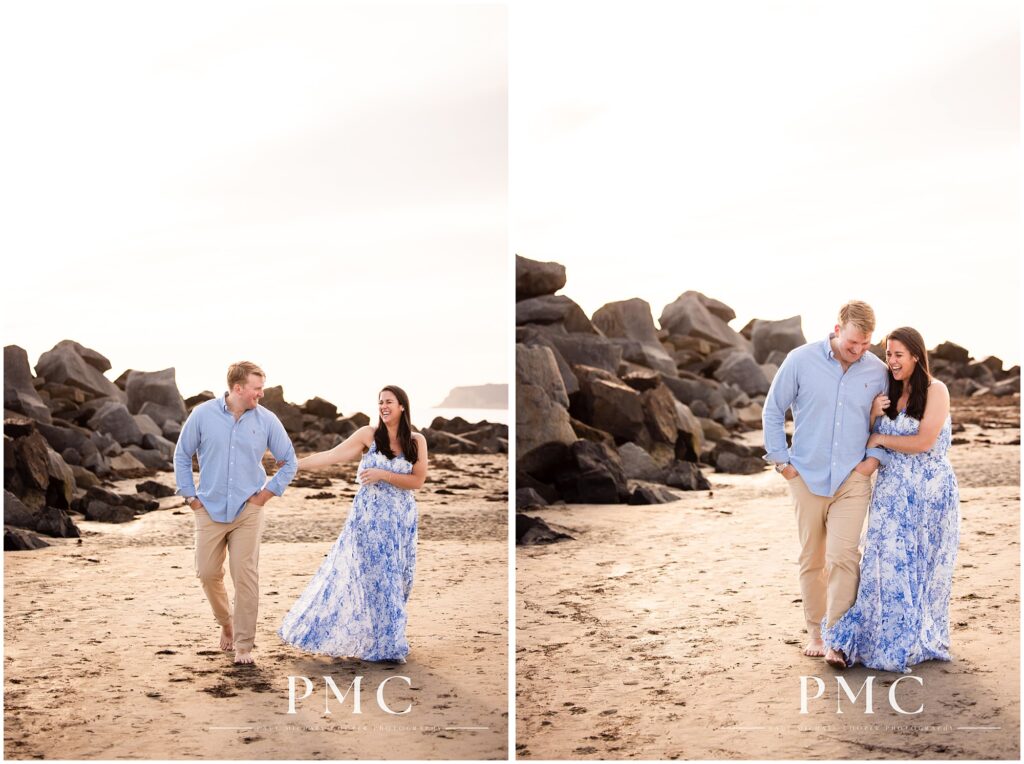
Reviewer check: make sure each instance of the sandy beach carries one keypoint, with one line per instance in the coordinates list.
(674, 631)
(110, 648)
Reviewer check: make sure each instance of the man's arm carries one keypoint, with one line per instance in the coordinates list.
(780, 397)
(281, 447)
(184, 450)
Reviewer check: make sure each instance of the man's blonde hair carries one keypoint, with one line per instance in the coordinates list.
(238, 373)
(859, 314)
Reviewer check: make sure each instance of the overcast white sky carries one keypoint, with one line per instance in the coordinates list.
(315, 186)
(780, 156)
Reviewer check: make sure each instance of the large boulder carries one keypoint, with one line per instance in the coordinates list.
(660, 417)
(641, 493)
(57, 523)
(531, 337)
(782, 336)
(532, 530)
(588, 350)
(289, 414)
(19, 540)
(159, 389)
(19, 391)
(537, 366)
(950, 351)
(739, 368)
(557, 310)
(592, 474)
(690, 315)
(320, 408)
(627, 319)
(535, 278)
(114, 419)
(690, 437)
(652, 357)
(72, 364)
(101, 511)
(17, 514)
(637, 464)
(543, 429)
(606, 403)
(686, 476)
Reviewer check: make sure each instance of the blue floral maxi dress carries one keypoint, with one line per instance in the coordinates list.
(355, 604)
(901, 616)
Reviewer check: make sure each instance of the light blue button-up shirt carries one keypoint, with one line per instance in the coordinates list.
(231, 457)
(831, 414)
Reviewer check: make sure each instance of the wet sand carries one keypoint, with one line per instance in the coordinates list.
(111, 649)
(675, 631)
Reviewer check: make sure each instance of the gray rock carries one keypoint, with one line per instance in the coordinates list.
(171, 430)
(686, 476)
(535, 278)
(740, 369)
(628, 319)
(586, 432)
(660, 416)
(637, 464)
(150, 459)
(289, 414)
(19, 391)
(195, 400)
(536, 366)
(776, 336)
(542, 427)
(588, 350)
(147, 426)
(591, 474)
(607, 404)
(1008, 386)
(115, 420)
(158, 443)
(533, 338)
(57, 523)
(72, 364)
(641, 493)
(17, 514)
(18, 540)
(532, 530)
(102, 512)
(155, 387)
(126, 465)
(690, 315)
(320, 408)
(950, 351)
(554, 309)
(690, 439)
(649, 356)
(160, 414)
(527, 498)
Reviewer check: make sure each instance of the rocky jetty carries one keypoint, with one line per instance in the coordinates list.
(69, 432)
(613, 408)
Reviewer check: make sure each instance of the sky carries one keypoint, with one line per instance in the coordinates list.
(318, 187)
(782, 157)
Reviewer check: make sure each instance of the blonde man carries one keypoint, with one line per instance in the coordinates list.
(231, 434)
(829, 385)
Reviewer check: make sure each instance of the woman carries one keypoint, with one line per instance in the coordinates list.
(901, 616)
(355, 604)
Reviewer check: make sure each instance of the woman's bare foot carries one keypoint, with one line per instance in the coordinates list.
(244, 656)
(836, 658)
(227, 637)
(815, 648)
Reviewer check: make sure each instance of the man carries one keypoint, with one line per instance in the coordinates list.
(830, 386)
(231, 434)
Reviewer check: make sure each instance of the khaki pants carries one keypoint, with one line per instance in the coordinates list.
(830, 529)
(240, 540)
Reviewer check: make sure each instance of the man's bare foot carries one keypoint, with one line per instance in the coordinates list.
(815, 648)
(836, 658)
(227, 638)
(244, 656)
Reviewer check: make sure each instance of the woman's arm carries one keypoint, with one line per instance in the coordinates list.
(935, 412)
(406, 482)
(348, 450)
(878, 407)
